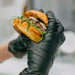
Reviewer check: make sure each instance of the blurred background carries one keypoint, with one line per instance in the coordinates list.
(64, 10)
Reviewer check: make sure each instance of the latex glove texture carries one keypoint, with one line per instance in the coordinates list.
(18, 47)
(41, 55)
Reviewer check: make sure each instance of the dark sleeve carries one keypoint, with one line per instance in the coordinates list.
(17, 47)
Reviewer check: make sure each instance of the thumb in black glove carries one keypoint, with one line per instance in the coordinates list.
(41, 55)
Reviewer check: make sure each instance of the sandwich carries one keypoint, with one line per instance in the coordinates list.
(33, 24)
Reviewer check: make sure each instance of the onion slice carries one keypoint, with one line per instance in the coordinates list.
(43, 25)
(34, 18)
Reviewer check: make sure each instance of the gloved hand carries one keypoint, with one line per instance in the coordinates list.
(42, 54)
(18, 47)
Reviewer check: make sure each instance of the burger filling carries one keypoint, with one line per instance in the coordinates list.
(38, 24)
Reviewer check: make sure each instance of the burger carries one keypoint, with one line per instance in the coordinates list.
(33, 25)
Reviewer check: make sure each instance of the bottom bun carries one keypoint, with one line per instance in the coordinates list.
(32, 33)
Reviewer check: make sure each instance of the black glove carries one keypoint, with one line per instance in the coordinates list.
(42, 54)
(18, 47)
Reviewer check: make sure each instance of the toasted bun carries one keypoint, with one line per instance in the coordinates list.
(37, 14)
(32, 33)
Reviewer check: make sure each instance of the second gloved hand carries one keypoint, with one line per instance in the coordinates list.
(18, 47)
(41, 55)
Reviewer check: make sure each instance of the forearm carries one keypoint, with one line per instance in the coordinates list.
(4, 53)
